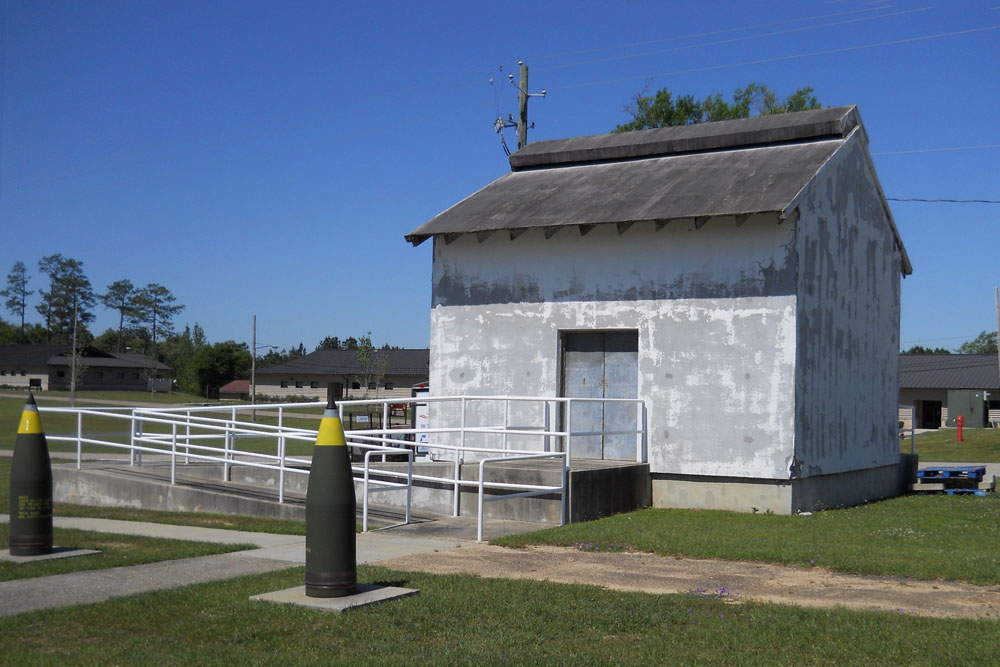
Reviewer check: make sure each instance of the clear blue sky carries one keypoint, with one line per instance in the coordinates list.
(267, 158)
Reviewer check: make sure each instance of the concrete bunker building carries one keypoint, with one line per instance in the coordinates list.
(741, 277)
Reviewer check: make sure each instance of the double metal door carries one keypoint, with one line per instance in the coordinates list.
(602, 364)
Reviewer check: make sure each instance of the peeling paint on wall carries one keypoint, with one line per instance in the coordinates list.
(848, 323)
(568, 267)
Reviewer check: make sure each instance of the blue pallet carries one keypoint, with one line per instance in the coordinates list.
(975, 492)
(957, 472)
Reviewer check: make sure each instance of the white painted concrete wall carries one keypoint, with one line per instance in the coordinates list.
(848, 322)
(13, 378)
(270, 386)
(714, 308)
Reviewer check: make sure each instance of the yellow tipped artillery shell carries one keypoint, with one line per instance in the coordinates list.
(331, 513)
(30, 487)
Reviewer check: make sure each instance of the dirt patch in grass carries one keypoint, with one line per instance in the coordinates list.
(732, 581)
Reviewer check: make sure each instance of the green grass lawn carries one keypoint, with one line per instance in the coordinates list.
(923, 537)
(459, 619)
(133, 396)
(980, 445)
(116, 551)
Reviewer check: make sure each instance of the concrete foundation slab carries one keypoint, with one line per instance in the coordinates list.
(366, 594)
(56, 554)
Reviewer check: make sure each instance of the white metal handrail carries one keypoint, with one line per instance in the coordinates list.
(533, 491)
(191, 431)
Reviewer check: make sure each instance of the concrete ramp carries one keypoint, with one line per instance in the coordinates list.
(596, 488)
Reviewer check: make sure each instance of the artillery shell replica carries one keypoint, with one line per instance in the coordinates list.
(30, 487)
(331, 513)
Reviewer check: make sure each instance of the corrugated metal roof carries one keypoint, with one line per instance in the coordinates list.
(345, 362)
(93, 358)
(735, 182)
(235, 387)
(25, 355)
(30, 355)
(949, 371)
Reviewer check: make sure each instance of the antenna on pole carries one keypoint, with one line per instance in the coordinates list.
(521, 124)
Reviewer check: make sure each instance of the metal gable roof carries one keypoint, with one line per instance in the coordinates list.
(345, 362)
(732, 182)
(949, 371)
(728, 168)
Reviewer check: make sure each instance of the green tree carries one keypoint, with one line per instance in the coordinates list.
(373, 362)
(179, 352)
(33, 334)
(215, 365)
(920, 349)
(69, 296)
(16, 293)
(984, 343)
(154, 306)
(663, 109)
(120, 297)
(329, 343)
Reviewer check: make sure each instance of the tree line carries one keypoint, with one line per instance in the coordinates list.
(145, 326)
(145, 313)
(984, 343)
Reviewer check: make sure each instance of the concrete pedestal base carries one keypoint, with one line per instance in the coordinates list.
(366, 594)
(57, 553)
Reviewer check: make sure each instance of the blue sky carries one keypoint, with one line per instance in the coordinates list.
(267, 158)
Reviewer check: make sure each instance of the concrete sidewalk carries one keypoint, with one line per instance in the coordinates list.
(272, 552)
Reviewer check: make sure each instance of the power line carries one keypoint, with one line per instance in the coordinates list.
(946, 201)
(937, 150)
(761, 61)
(707, 34)
(737, 39)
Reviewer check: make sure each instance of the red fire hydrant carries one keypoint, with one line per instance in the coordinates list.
(960, 421)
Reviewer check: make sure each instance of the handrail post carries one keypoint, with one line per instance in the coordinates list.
(385, 425)
(409, 483)
(131, 438)
(547, 440)
(281, 456)
(79, 440)
(564, 494)
(506, 422)
(640, 455)
(364, 500)
(459, 458)
(457, 488)
(569, 432)
(479, 521)
(225, 451)
(187, 437)
(138, 452)
(173, 453)
(461, 423)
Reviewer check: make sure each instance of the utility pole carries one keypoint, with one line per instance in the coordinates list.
(996, 301)
(72, 361)
(522, 108)
(253, 368)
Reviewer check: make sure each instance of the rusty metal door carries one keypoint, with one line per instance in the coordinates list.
(601, 365)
